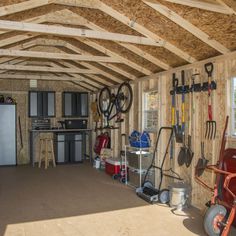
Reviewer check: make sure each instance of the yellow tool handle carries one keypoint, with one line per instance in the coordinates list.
(173, 116)
(183, 111)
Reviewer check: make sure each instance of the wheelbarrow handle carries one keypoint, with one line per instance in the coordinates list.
(209, 68)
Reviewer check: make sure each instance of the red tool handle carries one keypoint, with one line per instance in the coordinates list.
(209, 69)
(210, 112)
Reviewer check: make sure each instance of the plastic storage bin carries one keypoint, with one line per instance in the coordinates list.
(134, 177)
(134, 161)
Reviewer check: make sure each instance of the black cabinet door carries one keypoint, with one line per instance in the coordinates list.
(41, 104)
(75, 104)
(50, 104)
(77, 148)
(83, 105)
(70, 147)
(67, 104)
(33, 104)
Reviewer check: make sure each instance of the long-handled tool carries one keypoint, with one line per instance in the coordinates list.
(202, 161)
(21, 154)
(175, 112)
(210, 123)
(190, 152)
(183, 149)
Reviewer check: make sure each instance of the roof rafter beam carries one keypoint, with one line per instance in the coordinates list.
(77, 50)
(202, 5)
(44, 77)
(130, 47)
(78, 3)
(45, 69)
(42, 41)
(230, 5)
(54, 65)
(116, 56)
(144, 31)
(94, 77)
(75, 32)
(122, 72)
(179, 20)
(80, 77)
(23, 6)
(19, 38)
(63, 56)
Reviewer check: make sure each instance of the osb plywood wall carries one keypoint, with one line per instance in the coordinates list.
(197, 103)
(18, 89)
(224, 70)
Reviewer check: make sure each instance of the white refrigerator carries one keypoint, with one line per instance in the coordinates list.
(7, 134)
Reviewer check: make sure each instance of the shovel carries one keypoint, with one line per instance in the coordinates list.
(189, 154)
(202, 162)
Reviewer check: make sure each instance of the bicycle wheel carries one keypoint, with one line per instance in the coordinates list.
(124, 97)
(104, 100)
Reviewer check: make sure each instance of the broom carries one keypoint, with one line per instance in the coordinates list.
(21, 152)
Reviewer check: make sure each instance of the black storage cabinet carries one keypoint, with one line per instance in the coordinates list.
(70, 147)
(41, 104)
(75, 104)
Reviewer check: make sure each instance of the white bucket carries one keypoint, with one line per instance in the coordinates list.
(179, 196)
(97, 164)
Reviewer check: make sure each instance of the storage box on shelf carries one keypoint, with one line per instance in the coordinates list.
(138, 161)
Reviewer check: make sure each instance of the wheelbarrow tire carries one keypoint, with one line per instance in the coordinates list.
(214, 215)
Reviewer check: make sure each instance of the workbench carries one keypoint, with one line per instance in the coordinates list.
(35, 133)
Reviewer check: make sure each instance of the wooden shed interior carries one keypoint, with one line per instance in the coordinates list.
(78, 47)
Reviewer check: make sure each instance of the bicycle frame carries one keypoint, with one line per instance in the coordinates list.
(110, 108)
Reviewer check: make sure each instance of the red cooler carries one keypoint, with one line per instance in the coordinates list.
(112, 166)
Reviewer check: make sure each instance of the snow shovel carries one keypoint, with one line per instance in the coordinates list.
(210, 123)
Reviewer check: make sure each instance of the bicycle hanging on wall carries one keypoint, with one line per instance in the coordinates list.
(113, 105)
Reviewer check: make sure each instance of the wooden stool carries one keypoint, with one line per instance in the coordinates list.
(46, 152)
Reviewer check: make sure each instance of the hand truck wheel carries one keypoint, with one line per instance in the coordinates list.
(115, 176)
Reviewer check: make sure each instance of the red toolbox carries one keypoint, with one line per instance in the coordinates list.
(112, 166)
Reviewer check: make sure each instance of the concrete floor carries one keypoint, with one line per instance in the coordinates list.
(74, 200)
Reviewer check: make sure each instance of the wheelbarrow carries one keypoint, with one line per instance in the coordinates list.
(222, 206)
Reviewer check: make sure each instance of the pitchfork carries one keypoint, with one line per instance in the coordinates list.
(210, 123)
